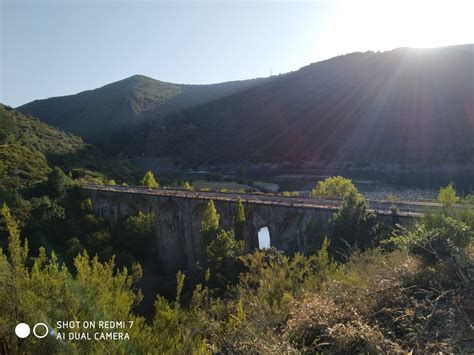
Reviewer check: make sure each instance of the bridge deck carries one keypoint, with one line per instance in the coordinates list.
(404, 208)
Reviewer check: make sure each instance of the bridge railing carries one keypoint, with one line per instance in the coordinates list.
(385, 207)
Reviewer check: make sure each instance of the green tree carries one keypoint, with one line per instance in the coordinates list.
(45, 213)
(239, 220)
(447, 195)
(352, 225)
(223, 254)
(58, 182)
(333, 187)
(149, 181)
(138, 234)
(18, 253)
(187, 186)
(210, 223)
(86, 206)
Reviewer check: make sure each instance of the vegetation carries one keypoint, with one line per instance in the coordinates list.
(333, 187)
(290, 193)
(210, 223)
(149, 181)
(223, 260)
(352, 226)
(58, 182)
(137, 236)
(447, 196)
(361, 286)
(374, 302)
(239, 220)
(30, 149)
(96, 291)
(89, 113)
(222, 249)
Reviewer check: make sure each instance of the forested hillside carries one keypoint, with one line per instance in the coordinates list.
(29, 149)
(120, 107)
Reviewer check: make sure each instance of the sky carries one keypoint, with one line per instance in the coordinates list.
(61, 47)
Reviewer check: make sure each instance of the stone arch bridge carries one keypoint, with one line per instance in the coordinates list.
(179, 213)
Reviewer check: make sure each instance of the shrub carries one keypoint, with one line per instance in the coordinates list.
(149, 181)
(333, 187)
(437, 243)
(58, 182)
(447, 195)
(353, 225)
(222, 255)
(138, 234)
(290, 193)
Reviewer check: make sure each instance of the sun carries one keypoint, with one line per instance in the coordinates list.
(431, 23)
(386, 24)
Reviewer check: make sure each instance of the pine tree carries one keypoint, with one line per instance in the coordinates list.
(210, 223)
(239, 220)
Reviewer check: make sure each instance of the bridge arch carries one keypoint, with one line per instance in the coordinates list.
(254, 231)
(292, 233)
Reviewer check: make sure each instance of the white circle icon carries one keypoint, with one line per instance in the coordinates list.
(22, 330)
(46, 330)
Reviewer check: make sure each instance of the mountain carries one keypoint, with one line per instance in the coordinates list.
(124, 105)
(29, 149)
(406, 108)
(403, 109)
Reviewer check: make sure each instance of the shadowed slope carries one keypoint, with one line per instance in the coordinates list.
(411, 107)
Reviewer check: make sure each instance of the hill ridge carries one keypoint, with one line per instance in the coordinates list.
(404, 107)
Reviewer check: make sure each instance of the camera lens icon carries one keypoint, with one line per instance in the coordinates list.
(40, 330)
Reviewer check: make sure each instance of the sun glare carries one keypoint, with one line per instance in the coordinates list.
(386, 24)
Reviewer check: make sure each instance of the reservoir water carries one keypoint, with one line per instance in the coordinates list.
(407, 186)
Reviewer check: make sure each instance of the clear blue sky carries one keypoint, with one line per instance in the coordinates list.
(53, 48)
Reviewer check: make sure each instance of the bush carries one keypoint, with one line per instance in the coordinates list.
(333, 187)
(353, 225)
(437, 243)
(149, 181)
(58, 182)
(137, 234)
(447, 196)
(290, 193)
(222, 255)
